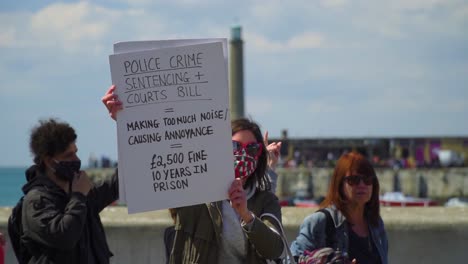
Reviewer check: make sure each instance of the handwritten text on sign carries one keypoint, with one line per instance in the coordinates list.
(176, 75)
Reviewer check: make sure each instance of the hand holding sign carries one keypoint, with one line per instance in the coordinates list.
(112, 102)
(238, 199)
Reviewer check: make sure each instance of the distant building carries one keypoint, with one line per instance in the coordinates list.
(384, 151)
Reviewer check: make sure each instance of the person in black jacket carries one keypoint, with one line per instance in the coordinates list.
(60, 210)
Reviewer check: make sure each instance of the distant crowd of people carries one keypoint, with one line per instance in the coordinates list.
(329, 160)
(103, 162)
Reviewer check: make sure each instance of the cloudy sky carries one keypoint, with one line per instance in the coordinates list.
(326, 68)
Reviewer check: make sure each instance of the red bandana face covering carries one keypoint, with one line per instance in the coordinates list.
(244, 165)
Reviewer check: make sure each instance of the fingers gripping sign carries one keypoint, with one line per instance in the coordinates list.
(238, 199)
(237, 196)
(112, 102)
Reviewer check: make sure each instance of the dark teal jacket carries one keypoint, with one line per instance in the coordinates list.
(63, 228)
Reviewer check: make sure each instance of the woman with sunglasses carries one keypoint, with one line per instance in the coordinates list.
(352, 202)
(244, 229)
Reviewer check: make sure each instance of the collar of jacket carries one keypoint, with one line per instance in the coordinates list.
(337, 216)
(37, 178)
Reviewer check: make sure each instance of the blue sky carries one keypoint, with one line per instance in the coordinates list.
(328, 68)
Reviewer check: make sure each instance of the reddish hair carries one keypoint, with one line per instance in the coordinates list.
(353, 162)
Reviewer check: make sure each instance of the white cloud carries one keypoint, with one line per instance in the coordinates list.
(323, 72)
(7, 37)
(415, 4)
(333, 3)
(136, 2)
(403, 18)
(13, 26)
(306, 40)
(259, 106)
(413, 101)
(379, 21)
(366, 69)
(457, 106)
(69, 27)
(260, 43)
(323, 107)
(181, 3)
(73, 21)
(461, 13)
(266, 11)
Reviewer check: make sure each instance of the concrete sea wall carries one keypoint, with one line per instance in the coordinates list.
(416, 235)
(439, 184)
(436, 183)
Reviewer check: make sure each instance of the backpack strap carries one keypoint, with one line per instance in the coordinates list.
(22, 251)
(330, 230)
(15, 230)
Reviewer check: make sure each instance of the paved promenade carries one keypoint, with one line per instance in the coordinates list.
(416, 235)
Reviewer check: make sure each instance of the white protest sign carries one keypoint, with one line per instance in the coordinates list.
(174, 133)
(129, 46)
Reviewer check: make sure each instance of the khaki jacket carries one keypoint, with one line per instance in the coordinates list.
(199, 230)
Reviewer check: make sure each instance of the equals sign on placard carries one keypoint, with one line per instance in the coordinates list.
(178, 145)
(169, 110)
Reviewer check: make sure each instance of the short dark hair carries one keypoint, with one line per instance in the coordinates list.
(263, 182)
(49, 138)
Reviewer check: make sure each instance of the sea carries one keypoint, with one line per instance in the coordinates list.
(11, 181)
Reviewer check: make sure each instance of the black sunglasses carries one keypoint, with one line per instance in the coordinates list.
(254, 149)
(356, 179)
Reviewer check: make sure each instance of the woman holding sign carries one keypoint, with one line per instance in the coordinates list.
(244, 229)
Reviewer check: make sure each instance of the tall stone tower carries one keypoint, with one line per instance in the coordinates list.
(236, 73)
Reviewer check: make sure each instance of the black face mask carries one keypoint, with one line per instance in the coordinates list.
(66, 170)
